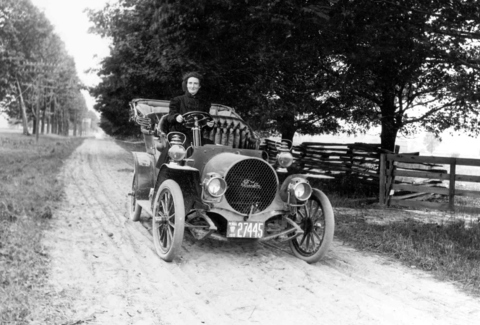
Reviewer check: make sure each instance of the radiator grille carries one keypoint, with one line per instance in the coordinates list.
(250, 181)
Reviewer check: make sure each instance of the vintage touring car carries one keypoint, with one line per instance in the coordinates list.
(224, 190)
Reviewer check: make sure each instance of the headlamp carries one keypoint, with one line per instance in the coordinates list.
(176, 152)
(300, 189)
(215, 185)
(284, 157)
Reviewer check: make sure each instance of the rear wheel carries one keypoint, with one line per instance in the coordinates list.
(134, 210)
(318, 223)
(168, 222)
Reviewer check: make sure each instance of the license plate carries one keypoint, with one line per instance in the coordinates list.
(245, 229)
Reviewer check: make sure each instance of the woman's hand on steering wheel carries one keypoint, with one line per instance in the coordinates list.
(202, 118)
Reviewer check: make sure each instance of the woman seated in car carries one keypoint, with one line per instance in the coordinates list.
(190, 101)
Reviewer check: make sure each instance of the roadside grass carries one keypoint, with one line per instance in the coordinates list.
(29, 188)
(451, 251)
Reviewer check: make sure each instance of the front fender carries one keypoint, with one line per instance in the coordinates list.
(144, 169)
(188, 178)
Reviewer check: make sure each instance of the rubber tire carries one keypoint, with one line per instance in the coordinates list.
(134, 210)
(324, 203)
(169, 188)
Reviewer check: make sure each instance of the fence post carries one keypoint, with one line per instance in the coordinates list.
(303, 153)
(451, 185)
(383, 180)
(350, 165)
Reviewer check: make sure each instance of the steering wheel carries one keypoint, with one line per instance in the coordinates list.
(202, 119)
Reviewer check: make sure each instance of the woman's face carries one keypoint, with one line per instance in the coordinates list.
(193, 85)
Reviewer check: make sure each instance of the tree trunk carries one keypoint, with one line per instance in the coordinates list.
(62, 123)
(75, 128)
(54, 116)
(37, 120)
(66, 126)
(80, 128)
(34, 130)
(43, 121)
(286, 125)
(58, 117)
(391, 121)
(54, 124)
(23, 109)
(388, 135)
(288, 135)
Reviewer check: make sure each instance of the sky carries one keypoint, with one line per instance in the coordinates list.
(71, 24)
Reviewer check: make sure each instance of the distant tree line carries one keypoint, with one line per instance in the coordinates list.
(38, 79)
(307, 66)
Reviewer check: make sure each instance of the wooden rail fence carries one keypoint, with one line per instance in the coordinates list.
(414, 177)
(413, 167)
(335, 160)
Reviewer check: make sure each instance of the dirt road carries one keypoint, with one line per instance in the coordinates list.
(105, 271)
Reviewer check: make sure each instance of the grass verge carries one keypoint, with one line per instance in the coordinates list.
(450, 251)
(29, 187)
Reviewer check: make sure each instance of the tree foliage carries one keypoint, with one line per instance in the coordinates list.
(308, 66)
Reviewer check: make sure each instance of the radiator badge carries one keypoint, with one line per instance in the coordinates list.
(250, 184)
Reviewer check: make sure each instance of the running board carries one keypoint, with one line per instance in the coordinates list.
(145, 204)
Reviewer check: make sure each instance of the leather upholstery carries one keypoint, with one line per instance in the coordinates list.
(232, 131)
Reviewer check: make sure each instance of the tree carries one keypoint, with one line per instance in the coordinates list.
(406, 64)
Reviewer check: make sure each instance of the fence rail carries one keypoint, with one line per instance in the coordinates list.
(395, 168)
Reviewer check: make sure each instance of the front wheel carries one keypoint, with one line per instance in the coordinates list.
(318, 223)
(168, 222)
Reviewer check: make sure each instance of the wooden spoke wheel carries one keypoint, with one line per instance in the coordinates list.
(168, 221)
(317, 221)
